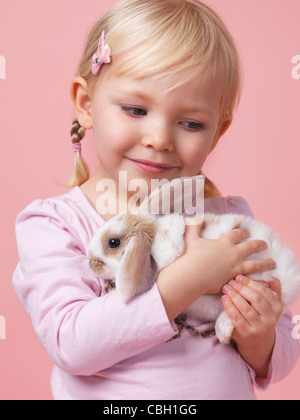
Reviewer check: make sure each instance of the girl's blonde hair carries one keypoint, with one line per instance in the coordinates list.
(162, 38)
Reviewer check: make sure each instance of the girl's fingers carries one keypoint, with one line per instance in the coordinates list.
(257, 266)
(193, 227)
(263, 296)
(244, 302)
(271, 290)
(237, 235)
(242, 296)
(252, 306)
(249, 248)
(275, 286)
(239, 322)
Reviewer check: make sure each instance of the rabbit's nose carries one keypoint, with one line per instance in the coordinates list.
(96, 264)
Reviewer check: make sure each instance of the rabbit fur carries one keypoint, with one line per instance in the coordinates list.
(144, 243)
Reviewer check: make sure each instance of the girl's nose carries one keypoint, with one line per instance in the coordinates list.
(160, 138)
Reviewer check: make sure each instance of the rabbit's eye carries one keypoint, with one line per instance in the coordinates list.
(114, 243)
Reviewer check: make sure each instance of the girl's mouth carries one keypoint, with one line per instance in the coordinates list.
(152, 167)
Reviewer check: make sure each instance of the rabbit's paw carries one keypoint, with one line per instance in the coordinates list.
(224, 328)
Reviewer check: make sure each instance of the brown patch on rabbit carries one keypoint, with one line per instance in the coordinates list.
(140, 225)
(96, 264)
(128, 226)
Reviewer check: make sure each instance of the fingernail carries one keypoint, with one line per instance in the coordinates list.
(194, 221)
(241, 279)
(226, 289)
(232, 283)
(225, 300)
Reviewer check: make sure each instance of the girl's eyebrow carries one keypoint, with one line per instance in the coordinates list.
(144, 96)
(136, 94)
(197, 108)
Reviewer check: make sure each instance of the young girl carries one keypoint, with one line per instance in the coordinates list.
(158, 84)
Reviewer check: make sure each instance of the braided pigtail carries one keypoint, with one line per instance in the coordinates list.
(81, 171)
(210, 189)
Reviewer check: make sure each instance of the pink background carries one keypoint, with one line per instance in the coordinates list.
(258, 158)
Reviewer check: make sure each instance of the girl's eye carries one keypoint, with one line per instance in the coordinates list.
(192, 125)
(114, 243)
(135, 111)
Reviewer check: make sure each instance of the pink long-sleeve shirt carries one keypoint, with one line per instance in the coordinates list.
(104, 349)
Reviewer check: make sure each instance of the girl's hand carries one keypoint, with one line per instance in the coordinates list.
(255, 309)
(219, 260)
(206, 266)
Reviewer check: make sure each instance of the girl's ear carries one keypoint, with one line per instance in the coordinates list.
(82, 103)
(221, 131)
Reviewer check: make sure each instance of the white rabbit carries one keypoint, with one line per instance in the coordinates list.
(130, 250)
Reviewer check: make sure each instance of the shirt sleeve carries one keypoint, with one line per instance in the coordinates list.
(83, 331)
(285, 354)
(238, 205)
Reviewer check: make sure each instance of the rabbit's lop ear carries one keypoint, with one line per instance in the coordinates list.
(173, 197)
(138, 269)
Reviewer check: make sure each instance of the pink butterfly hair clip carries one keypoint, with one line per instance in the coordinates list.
(101, 58)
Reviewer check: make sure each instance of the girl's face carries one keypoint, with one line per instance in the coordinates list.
(141, 128)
